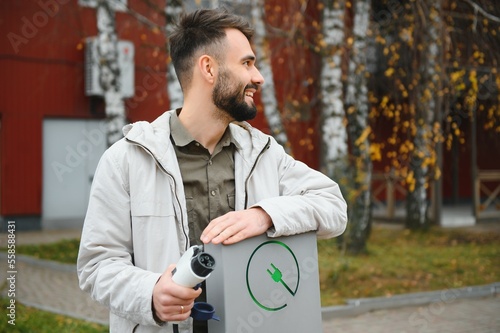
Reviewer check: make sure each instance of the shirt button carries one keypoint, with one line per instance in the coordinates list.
(213, 192)
(210, 162)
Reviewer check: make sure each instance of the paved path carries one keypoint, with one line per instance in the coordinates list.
(52, 287)
(458, 316)
(49, 285)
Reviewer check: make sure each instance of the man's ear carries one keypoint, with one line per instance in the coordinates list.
(207, 68)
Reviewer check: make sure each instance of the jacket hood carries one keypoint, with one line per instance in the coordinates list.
(152, 136)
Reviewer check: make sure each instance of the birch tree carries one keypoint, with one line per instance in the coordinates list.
(109, 75)
(268, 94)
(173, 10)
(335, 153)
(428, 70)
(334, 136)
(357, 110)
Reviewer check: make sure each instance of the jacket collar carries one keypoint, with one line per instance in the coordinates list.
(155, 137)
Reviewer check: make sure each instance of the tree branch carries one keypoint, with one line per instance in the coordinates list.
(478, 8)
(139, 17)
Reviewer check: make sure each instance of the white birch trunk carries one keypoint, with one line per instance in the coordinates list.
(356, 100)
(109, 76)
(173, 10)
(417, 199)
(268, 94)
(334, 135)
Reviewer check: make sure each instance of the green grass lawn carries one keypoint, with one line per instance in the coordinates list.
(30, 320)
(398, 261)
(65, 251)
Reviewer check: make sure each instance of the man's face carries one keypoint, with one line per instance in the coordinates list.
(238, 79)
(229, 95)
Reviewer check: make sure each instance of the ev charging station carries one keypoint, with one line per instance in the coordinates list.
(266, 285)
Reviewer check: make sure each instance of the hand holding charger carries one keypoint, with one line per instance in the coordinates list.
(193, 268)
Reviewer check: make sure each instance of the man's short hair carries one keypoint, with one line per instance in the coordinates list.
(202, 31)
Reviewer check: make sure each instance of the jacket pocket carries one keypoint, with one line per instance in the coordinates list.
(155, 235)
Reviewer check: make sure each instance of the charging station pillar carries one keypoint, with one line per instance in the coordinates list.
(266, 285)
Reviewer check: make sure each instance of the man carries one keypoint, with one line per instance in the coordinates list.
(195, 175)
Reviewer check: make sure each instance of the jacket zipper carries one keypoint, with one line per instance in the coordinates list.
(175, 188)
(268, 144)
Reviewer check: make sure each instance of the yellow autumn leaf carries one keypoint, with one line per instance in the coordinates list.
(363, 136)
(384, 101)
(437, 174)
(455, 76)
(375, 152)
(380, 39)
(389, 72)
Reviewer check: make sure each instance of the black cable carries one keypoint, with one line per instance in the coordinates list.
(176, 328)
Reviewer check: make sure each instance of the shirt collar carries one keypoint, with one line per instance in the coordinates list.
(182, 137)
(179, 133)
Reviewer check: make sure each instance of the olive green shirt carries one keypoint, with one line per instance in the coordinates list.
(208, 178)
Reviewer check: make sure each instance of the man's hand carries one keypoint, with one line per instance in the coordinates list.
(236, 226)
(172, 302)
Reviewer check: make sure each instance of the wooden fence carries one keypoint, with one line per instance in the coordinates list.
(487, 198)
(387, 188)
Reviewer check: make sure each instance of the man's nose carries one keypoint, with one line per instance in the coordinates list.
(257, 78)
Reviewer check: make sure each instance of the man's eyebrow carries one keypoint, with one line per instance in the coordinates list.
(248, 57)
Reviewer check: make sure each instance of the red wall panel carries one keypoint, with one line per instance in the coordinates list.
(21, 164)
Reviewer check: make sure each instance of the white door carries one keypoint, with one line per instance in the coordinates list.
(71, 151)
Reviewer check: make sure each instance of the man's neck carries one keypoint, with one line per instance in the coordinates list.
(203, 125)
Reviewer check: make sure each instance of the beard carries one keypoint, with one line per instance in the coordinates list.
(232, 101)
